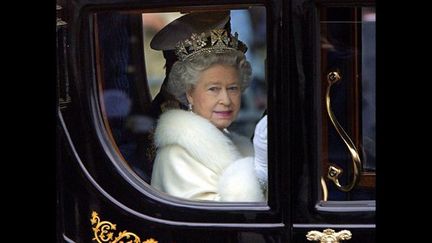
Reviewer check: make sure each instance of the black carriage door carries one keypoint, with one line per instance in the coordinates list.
(109, 82)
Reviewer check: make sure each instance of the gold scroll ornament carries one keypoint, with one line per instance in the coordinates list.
(104, 232)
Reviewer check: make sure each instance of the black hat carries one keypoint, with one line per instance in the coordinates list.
(183, 27)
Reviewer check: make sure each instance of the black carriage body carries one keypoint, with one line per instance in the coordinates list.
(99, 195)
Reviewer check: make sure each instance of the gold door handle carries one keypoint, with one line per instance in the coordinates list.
(335, 171)
(328, 236)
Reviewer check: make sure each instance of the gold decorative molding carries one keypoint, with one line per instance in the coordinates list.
(60, 22)
(104, 232)
(328, 236)
(324, 189)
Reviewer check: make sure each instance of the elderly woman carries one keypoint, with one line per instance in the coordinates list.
(197, 157)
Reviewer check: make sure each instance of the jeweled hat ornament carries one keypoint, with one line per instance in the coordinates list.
(197, 33)
(213, 41)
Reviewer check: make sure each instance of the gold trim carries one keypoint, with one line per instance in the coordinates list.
(324, 189)
(60, 22)
(103, 232)
(328, 236)
(334, 171)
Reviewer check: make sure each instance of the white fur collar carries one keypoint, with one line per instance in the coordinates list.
(201, 139)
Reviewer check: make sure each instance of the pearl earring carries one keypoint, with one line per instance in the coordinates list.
(189, 107)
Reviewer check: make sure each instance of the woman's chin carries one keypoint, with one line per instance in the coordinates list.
(222, 123)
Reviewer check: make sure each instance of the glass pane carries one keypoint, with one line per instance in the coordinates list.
(131, 73)
(368, 88)
(348, 111)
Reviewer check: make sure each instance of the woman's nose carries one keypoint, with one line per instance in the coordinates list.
(224, 97)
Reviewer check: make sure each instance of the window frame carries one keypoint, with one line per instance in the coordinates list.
(267, 214)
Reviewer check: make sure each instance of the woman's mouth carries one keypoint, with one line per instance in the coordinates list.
(223, 114)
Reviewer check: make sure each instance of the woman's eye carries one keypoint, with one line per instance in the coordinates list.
(213, 88)
(233, 88)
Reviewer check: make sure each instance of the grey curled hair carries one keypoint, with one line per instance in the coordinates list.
(184, 74)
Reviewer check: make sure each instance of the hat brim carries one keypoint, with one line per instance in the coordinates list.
(183, 27)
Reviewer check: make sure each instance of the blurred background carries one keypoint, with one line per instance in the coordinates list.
(250, 24)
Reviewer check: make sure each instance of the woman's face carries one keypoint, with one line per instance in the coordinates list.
(217, 95)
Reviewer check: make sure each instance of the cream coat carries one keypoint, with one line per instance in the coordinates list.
(197, 161)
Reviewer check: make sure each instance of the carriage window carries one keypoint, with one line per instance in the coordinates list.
(348, 103)
(130, 74)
